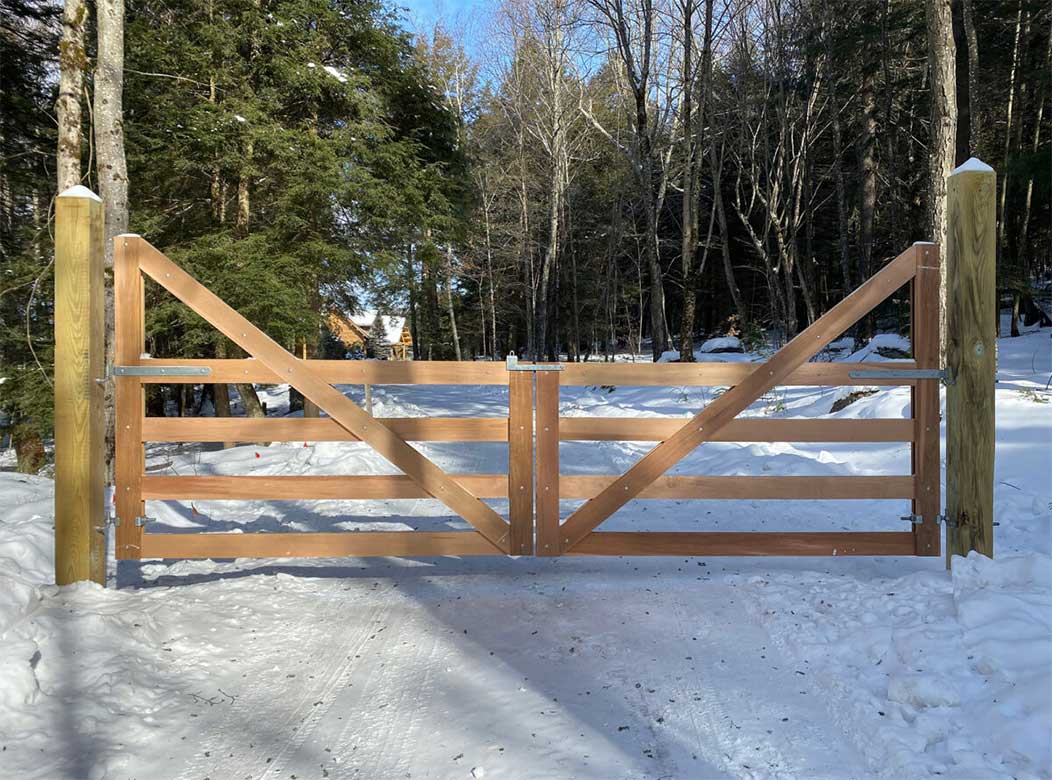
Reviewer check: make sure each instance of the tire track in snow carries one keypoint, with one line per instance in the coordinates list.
(751, 705)
(328, 647)
(390, 704)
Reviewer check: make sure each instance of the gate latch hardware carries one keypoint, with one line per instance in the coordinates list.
(939, 519)
(161, 371)
(141, 521)
(513, 364)
(904, 373)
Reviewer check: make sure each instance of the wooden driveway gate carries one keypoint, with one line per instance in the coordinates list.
(463, 493)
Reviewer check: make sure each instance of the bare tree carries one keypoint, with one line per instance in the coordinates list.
(633, 27)
(942, 148)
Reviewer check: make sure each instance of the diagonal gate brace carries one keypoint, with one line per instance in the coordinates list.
(297, 373)
(708, 422)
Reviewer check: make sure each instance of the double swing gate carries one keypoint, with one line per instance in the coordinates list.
(532, 483)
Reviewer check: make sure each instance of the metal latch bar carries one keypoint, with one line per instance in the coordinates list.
(161, 371)
(512, 364)
(903, 373)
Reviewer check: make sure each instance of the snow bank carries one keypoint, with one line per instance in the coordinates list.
(958, 672)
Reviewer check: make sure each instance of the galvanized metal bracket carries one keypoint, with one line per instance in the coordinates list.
(939, 519)
(904, 373)
(161, 371)
(141, 521)
(512, 364)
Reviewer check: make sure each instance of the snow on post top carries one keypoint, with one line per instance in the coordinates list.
(972, 165)
(80, 191)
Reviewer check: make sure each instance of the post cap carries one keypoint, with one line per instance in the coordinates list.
(972, 165)
(80, 191)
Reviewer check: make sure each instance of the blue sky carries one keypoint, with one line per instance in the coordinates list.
(442, 9)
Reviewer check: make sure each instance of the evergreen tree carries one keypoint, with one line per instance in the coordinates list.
(289, 148)
(28, 44)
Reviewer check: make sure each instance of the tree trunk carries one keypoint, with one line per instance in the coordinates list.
(688, 243)
(111, 165)
(411, 284)
(449, 302)
(243, 187)
(308, 350)
(1024, 231)
(221, 392)
(841, 205)
(868, 201)
(975, 119)
(868, 161)
(549, 265)
(30, 455)
(725, 247)
(1002, 216)
(72, 62)
(250, 400)
(942, 147)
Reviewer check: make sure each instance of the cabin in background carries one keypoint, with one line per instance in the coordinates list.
(376, 335)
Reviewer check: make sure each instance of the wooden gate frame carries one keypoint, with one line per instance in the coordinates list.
(421, 478)
(81, 515)
(716, 422)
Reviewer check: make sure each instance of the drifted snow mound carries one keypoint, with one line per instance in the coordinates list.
(722, 344)
(718, 345)
(933, 676)
(880, 347)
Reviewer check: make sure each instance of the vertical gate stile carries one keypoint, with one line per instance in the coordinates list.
(925, 332)
(548, 542)
(520, 461)
(129, 343)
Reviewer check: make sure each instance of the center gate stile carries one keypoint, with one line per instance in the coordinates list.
(532, 429)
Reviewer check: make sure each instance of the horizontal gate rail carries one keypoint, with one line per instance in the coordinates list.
(208, 429)
(315, 545)
(748, 430)
(747, 543)
(163, 488)
(721, 374)
(351, 372)
(785, 488)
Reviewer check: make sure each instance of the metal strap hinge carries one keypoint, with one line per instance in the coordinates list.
(513, 364)
(161, 371)
(904, 373)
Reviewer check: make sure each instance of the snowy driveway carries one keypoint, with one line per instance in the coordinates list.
(590, 668)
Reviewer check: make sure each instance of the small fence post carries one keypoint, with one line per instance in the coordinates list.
(924, 323)
(80, 446)
(520, 461)
(970, 358)
(129, 462)
(548, 542)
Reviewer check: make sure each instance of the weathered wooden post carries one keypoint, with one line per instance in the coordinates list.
(971, 302)
(80, 447)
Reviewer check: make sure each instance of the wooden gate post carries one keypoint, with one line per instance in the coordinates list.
(520, 461)
(971, 293)
(80, 446)
(547, 438)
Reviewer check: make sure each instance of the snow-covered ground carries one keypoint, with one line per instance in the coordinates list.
(548, 668)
